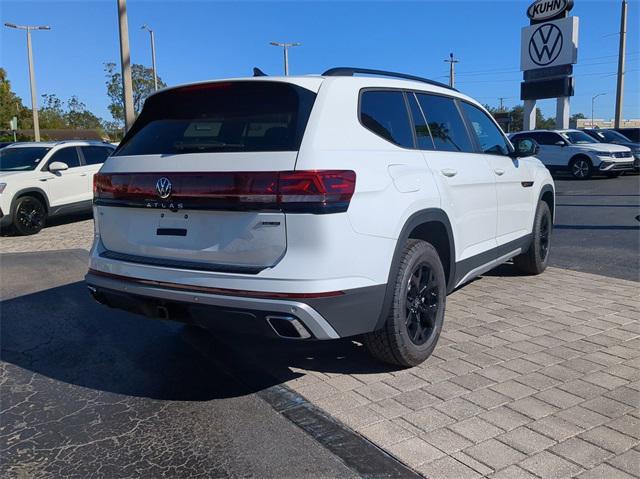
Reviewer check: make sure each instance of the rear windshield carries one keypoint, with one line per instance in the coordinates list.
(221, 117)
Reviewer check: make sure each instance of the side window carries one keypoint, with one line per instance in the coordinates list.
(95, 155)
(490, 138)
(445, 123)
(385, 114)
(544, 138)
(423, 136)
(68, 155)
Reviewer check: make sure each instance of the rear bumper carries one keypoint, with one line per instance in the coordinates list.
(326, 317)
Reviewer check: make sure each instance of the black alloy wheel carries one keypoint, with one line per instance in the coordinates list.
(30, 216)
(421, 304)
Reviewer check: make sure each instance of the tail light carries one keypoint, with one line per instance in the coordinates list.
(315, 191)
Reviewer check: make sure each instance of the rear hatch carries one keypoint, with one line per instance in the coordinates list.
(196, 183)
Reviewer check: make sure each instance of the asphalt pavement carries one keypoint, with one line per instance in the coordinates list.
(597, 226)
(91, 392)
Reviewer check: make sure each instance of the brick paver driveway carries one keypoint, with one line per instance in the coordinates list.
(532, 377)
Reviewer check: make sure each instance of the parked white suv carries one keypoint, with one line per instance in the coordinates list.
(579, 153)
(315, 207)
(45, 179)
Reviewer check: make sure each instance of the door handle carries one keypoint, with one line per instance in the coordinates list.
(83, 174)
(499, 172)
(449, 172)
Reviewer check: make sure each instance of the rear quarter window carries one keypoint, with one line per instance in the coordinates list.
(384, 112)
(221, 117)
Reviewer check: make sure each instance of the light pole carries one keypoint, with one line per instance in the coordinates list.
(452, 71)
(593, 102)
(153, 55)
(285, 46)
(32, 74)
(125, 62)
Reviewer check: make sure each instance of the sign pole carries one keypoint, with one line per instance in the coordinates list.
(621, 55)
(529, 119)
(562, 113)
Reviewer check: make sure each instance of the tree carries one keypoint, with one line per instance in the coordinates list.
(11, 105)
(143, 86)
(51, 114)
(77, 116)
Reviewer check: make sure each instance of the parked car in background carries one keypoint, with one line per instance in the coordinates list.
(315, 207)
(44, 179)
(579, 153)
(613, 137)
(632, 133)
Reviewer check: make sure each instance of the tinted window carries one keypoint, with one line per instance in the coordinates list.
(489, 137)
(547, 138)
(578, 137)
(67, 155)
(94, 155)
(221, 117)
(445, 123)
(385, 114)
(423, 137)
(21, 159)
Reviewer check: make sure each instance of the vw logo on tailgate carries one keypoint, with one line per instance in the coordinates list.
(163, 187)
(545, 44)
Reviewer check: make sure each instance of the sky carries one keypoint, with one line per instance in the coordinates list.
(199, 40)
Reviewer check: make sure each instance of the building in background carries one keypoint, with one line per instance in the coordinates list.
(600, 123)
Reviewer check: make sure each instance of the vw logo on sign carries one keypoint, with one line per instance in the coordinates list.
(545, 44)
(163, 187)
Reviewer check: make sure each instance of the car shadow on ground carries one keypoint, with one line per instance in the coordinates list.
(62, 333)
(65, 335)
(55, 221)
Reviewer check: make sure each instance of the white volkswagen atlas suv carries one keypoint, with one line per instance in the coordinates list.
(579, 153)
(45, 179)
(315, 207)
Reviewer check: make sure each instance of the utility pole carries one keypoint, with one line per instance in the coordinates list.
(32, 73)
(593, 102)
(153, 55)
(621, 60)
(502, 98)
(452, 74)
(285, 46)
(125, 61)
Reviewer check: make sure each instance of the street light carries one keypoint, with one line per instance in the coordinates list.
(153, 55)
(593, 101)
(285, 46)
(32, 75)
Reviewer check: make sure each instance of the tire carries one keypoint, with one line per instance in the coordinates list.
(412, 329)
(29, 216)
(535, 259)
(581, 168)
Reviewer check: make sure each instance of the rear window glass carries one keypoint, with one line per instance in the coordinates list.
(221, 117)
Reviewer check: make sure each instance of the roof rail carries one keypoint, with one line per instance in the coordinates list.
(350, 71)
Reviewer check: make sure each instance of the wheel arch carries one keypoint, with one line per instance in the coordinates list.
(36, 192)
(547, 194)
(431, 225)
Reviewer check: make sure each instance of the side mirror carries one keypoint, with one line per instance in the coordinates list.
(525, 147)
(56, 166)
(560, 143)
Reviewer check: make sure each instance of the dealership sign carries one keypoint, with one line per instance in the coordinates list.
(547, 9)
(549, 44)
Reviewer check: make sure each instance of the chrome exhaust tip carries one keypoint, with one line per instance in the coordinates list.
(288, 327)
